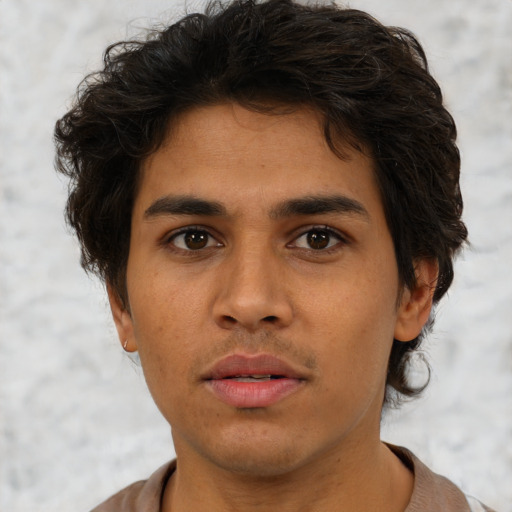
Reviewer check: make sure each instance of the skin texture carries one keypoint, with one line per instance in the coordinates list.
(253, 284)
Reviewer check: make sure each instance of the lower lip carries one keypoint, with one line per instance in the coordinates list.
(245, 395)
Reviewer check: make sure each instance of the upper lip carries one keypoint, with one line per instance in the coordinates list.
(236, 365)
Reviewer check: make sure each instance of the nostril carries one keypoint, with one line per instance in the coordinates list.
(270, 319)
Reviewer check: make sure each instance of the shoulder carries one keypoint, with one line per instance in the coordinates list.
(433, 492)
(142, 496)
(476, 506)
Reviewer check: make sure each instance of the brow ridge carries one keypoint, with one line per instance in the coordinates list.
(317, 205)
(184, 205)
(300, 206)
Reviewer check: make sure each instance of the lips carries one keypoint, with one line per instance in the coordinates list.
(252, 381)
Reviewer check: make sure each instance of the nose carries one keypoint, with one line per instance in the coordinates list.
(252, 294)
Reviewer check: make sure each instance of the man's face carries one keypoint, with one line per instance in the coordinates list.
(263, 287)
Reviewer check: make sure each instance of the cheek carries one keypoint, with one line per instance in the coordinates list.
(165, 306)
(354, 321)
(165, 346)
(355, 307)
(163, 331)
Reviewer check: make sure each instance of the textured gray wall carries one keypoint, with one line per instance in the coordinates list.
(76, 421)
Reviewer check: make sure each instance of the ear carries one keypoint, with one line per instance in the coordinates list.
(122, 320)
(416, 304)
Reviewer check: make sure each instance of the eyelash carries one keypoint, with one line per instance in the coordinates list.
(169, 240)
(331, 233)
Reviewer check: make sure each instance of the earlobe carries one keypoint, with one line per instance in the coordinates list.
(122, 320)
(416, 304)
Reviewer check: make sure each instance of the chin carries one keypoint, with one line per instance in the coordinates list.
(259, 456)
(256, 464)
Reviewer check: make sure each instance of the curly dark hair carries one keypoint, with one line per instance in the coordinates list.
(370, 83)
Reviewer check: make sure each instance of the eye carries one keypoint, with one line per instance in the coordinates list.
(318, 239)
(193, 239)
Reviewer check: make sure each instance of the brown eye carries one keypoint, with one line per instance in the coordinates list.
(196, 240)
(318, 239)
(193, 240)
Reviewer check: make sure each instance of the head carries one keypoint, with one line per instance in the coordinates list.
(368, 84)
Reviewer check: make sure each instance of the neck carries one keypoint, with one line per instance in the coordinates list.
(364, 477)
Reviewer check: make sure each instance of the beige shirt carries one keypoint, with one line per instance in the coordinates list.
(431, 492)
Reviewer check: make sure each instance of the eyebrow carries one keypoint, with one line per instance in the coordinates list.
(184, 205)
(301, 206)
(317, 205)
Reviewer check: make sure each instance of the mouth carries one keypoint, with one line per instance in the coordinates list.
(252, 381)
(255, 378)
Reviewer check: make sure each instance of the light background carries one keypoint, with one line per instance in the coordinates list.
(76, 421)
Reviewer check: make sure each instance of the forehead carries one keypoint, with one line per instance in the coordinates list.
(240, 156)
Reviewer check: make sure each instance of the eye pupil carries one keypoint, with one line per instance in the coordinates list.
(196, 240)
(318, 239)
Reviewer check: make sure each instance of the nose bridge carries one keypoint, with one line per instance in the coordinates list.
(252, 292)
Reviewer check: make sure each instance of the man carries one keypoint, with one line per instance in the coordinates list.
(270, 193)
